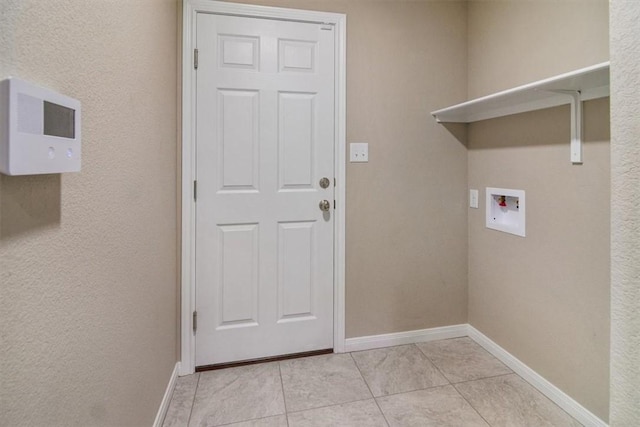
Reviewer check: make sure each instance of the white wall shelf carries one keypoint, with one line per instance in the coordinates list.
(569, 88)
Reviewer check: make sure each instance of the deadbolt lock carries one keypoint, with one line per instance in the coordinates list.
(324, 182)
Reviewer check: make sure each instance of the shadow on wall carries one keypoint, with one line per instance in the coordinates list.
(28, 203)
(459, 130)
(550, 126)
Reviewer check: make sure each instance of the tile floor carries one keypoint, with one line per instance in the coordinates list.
(451, 382)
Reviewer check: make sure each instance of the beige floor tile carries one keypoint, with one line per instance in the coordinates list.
(364, 413)
(510, 401)
(462, 359)
(237, 394)
(397, 369)
(181, 401)
(330, 390)
(319, 381)
(439, 406)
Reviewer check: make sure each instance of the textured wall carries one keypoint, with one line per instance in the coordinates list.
(406, 225)
(88, 260)
(544, 298)
(625, 217)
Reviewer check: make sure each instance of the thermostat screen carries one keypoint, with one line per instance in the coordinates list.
(59, 120)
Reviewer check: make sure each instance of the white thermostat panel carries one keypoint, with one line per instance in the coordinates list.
(39, 130)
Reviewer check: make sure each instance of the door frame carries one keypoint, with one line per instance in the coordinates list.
(189, 12)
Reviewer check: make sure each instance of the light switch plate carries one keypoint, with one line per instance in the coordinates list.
(473, 199)
(359, 152)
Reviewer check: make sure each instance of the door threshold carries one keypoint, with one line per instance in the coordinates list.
(217, 366)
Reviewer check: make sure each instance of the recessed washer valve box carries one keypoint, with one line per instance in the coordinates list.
(506, 210)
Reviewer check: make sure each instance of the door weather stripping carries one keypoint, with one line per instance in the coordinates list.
(195, 321)
(195, 59)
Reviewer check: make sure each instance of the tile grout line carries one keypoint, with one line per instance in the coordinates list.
(484, 378)
(331, 405)
(193, 401)
(284, 398)
(452, 384)
(246, 421)
(339, 403)
(384, 417)
(466, 400)
(434, 364)
(413, 390)
(237, 421)
(545, 396)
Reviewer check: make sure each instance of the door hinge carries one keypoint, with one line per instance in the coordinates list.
(195, 191)
(335, 182)
(334, 203)
(195, 321)
(195, 59)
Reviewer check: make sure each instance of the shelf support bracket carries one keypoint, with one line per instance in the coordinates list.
(576, 124)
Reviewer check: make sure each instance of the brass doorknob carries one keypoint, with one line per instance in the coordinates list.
(325, 205)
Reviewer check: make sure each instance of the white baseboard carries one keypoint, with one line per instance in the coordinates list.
(556, 395)
(164, 405)
(409, 337)
(560, 398)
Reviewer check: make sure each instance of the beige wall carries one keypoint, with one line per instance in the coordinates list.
(544, 298)
(514, 42)
(88, 260)
(625, 217)
(406, 221)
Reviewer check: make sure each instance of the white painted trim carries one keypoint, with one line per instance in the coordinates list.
(560, 398)
(240, 9)
(187, 294)
(166, 399)
(190, 9)
(339, 254)
(409, 337)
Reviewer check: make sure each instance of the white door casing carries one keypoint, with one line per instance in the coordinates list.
(291, 241)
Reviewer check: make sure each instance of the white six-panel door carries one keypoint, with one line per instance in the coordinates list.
(264, 140)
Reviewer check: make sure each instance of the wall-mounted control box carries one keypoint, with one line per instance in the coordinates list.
(506, 210)
(39, 130)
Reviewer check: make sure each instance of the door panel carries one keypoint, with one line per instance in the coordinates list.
(238, 129)
(296, 139)
(297, 56)
(239, 51)
(238, 268)
(295, 271)
(264, 139)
